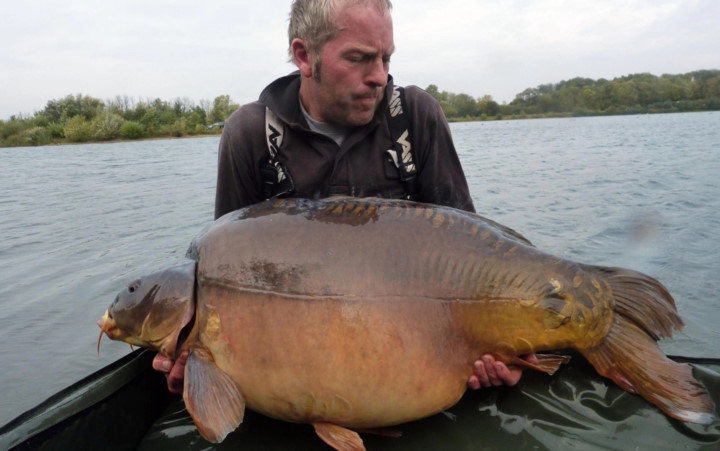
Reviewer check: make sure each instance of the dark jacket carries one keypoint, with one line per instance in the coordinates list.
(319, 168)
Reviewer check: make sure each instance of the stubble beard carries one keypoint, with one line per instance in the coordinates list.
(342, 109)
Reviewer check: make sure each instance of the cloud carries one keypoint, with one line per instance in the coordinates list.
(200, 50)
(501, 48)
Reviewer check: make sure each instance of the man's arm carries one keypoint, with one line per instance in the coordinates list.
(440, 176)
(242, 145)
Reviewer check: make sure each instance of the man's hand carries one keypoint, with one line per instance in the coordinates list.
(487, 372)
(174, 370)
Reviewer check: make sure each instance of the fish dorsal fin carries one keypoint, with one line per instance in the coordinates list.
(338, 437)
(212, 399)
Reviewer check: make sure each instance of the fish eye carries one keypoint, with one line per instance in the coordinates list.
(133, 288)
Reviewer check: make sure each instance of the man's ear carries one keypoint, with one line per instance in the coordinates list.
(302, 57)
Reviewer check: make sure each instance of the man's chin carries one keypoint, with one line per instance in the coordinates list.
(362, 117)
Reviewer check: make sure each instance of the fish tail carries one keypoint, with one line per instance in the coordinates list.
(630, 355)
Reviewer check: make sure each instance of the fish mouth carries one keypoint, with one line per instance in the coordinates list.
(108, 327)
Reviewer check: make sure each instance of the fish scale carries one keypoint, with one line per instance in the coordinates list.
(313, 311)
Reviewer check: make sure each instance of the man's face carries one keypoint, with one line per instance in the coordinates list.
(353, 68)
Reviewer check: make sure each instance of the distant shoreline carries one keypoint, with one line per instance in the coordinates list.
(65, 142)
(123, 140)
(81, 118)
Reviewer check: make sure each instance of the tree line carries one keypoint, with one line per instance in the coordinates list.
(81, 118)
(631, 94)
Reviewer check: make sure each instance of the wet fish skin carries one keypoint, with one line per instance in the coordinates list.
(314, 309)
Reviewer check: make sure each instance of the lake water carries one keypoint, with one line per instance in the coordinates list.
(78, 222)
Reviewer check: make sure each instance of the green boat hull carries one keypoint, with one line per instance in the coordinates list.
(126, 406)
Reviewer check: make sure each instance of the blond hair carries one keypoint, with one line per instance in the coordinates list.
(313, 21)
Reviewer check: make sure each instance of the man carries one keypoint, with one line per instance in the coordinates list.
(335, 132)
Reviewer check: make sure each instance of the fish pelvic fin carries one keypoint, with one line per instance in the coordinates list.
(547, 363)
(630, 355)
(212, 398)
(338, 437)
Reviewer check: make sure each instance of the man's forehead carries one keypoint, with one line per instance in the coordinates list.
(361, 14)
(365, 28)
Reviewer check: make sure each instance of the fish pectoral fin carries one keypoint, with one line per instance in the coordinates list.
(212, 399)
(547, 363)
(338, 437)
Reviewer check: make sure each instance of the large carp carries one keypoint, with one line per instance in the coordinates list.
(318, 311)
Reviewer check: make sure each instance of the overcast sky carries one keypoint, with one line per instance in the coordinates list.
(199, 50)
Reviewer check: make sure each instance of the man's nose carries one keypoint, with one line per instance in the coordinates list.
(377, 72)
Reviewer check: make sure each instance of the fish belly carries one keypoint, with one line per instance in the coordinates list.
(348, 361)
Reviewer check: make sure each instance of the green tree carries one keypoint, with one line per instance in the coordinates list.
(201, 114)
(448, 110)
(222, 108)
(589, 96)
(79, 105)
(176, 129)
(151, 121)
(120, 105)
(37, 136)
(464, 104)
(163, 112)
(486, 105)
(106, 126)
(136, 114)
(78, 129)
(57, 131)
(194, 121)
(132, 130)
(433, 91)
(11, 127)
(624, 93)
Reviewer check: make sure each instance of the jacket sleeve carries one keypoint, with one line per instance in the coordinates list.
(440, 174)
(239, 182)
